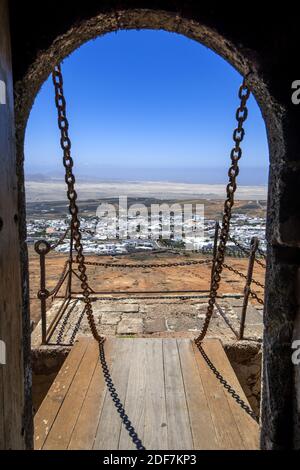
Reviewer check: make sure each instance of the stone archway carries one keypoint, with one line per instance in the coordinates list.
(283, 222)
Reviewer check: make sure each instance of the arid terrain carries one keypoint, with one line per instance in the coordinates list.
(191, 278)
(54, 190)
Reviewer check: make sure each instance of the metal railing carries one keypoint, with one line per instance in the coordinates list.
(43, 247)
(251, 253)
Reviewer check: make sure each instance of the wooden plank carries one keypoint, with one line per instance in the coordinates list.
(61, 431)
(49, 409)
(145, 399)
(155, 427)
(171, 397)
(109, 428)
(86, 426)
(179, 428)
(248, 428)
(15, 414)
(228, 435)
(203, 430)
(135, 395)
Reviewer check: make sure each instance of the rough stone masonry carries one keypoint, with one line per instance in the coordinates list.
(261, 48)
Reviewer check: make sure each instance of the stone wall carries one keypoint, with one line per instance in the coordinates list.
(46, 362)
(260, 47)
(246, 361)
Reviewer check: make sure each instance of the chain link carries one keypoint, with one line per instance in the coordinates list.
(238, 273)
(60, 240)
(65, 143)
(256, 297)
(246, 251)
(157, 297)
(257, 283)
(234, 271)
(236, 154)
(145, 266)
(60, 281)
(226, 385)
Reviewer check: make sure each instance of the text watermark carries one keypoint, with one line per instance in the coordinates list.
(296, 353)
(296, 92)
(178, 222)
(2, 353)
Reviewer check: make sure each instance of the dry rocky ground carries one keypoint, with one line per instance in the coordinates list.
(191, 278)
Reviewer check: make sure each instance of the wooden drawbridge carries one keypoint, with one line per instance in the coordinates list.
(171, 396)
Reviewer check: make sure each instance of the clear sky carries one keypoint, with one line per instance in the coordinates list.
(147, 105)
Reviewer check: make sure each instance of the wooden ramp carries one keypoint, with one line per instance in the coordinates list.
(170, 395)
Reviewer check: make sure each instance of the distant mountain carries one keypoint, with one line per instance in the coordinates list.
(249, 176)
(37, 177)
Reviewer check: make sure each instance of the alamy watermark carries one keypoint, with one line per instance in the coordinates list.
(177, 222)
(296, 92)
(296, 353)
(2, 353)
(2, 92)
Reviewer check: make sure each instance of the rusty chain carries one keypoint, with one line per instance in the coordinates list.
(256, 297)
(60, 281)
(158, 297)
(65, 143)
(238, 273)
(145, 266)
(247, 251)
(236, 154)
(253, 281)
(227, 386)
(60, 240)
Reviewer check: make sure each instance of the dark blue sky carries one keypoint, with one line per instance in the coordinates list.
(147, 105)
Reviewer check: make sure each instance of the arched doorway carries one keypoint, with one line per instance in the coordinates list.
(283, 221)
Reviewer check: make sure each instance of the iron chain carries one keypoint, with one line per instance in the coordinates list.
(238, 273)
(226, 385)
(256, 297)
(60, 240)
(236, 154)
(65, 143)
(145, 266)
(60, 281)
(247, 252)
